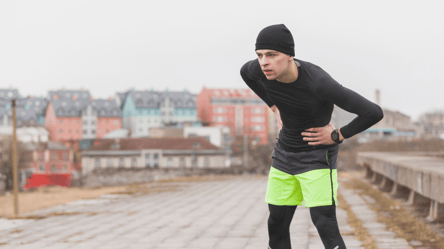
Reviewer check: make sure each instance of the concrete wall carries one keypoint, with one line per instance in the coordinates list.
(419, 171)
(118, 177)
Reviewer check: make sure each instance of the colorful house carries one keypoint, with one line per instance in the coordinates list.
(51, 164)
(29, 111)
(239, 109)
(73, 115)
(144, 109)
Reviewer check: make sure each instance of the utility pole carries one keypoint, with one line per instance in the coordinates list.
(14, 160)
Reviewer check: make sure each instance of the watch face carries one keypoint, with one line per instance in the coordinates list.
(334, 136)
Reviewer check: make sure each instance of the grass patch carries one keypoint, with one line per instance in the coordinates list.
(396, 218)
(360, 232)
(143, 189)
(28, 217)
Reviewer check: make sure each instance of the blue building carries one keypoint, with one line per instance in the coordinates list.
(144, 109)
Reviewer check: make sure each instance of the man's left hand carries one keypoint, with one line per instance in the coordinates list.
(319, 135)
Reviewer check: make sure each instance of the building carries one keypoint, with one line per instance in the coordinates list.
(142, 110)
(51, 157)
(29, 111)
(50, 163)
(166, 132)
(153, 153)
(217, 135)
(432, 124)
(239, 109)
(394, 126)
(73, 115)
(27, 134)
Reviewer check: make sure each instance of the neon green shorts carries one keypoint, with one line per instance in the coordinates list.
(314, 187)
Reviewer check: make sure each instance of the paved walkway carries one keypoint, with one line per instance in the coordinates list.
(226, 214)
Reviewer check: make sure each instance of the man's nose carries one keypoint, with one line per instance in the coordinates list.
(263, 61)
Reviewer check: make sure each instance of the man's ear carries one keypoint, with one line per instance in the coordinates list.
(290, 58)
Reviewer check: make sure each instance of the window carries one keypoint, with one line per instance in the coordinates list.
(170, 161)
(206, 161)
(93, 122)
(156, 160)
(246, 119)
(61, 121)
(77, 131)
(41, 167)
(257, 119)
(40, 155)
(257, 110)
(257, 128)
(93, 131)
(115, 121)
(54, 168)
(97, 163)
(220, 119)
(84, 131)
(182, 161)
(85, 122)
(147, 160)
(246, 110)
(65, 155)
(219, 110)
(69, 131)
(61, 131)
(109, 162)
(133, 162)
(194, 161)
(65, 167)
(121, 162)
(54, 155)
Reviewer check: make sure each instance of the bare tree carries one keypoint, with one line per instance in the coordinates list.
(24, 158)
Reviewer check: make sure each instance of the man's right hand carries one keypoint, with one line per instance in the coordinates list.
(278, 116)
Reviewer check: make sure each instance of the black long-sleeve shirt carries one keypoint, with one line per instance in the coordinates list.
(308, 102)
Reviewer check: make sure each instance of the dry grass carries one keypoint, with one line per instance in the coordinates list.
(49, 196)
(391, 212)
(45, 197)
(360, 232)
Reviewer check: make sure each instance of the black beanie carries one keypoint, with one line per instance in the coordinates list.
(276, 37)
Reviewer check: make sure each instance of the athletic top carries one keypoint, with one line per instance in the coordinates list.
(308, 102)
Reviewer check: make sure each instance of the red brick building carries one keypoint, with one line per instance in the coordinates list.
(52, 157)
(239, 109)
(73, 115)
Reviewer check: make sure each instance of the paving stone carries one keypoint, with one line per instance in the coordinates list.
(212, 215)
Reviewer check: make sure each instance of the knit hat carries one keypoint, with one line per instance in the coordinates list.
(276, 37)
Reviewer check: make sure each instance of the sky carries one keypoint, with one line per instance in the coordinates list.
(111, 46)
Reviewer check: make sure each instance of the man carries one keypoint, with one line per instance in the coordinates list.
(302, 96)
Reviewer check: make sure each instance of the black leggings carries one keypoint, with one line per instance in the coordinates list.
(323, 217)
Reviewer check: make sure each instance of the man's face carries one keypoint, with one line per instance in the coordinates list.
(274, 64)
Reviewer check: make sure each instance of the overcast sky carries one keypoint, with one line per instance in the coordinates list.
(110, 46)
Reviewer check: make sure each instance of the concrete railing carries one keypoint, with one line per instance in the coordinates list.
(418, 174)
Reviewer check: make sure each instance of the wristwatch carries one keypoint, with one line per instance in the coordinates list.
(335, 136)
